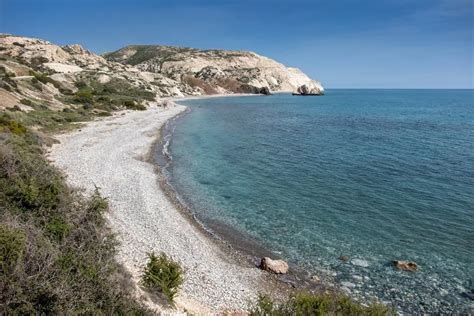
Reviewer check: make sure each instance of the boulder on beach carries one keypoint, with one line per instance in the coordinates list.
(275, 266)
(405, 265)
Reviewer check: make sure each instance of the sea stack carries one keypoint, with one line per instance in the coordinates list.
(312, 88)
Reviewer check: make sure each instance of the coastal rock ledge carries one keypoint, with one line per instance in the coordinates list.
(275, 266)
(312, 88)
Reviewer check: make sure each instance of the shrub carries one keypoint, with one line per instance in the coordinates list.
(12, 247)
(13, 126)
(134, 105)
(26, 102)
(37, 84)
(116, 92)
(31, 182)
(58, 229)
(305, 303)
(97, 207)
(162, 274)
(84, 95)
(264, 306)
(56, 253)
(41, 77)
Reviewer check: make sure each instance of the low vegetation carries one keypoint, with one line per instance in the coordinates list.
(146, 52)
(56, 253)
(316, 304)
(111, 95)
(162, 274)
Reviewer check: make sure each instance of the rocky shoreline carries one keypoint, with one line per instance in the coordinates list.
(216, 278)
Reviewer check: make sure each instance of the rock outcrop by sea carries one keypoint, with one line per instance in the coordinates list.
(164, 71)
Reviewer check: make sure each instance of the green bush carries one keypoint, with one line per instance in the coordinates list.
(58, 229)
(84, 95)
(12, 247)
(41, 77)
(133, 105)
(110, 95)
(57, 256)
(96, 207)
(304, 303)
(26, 102)
(163, 274)
(15, 127)
(30, 182)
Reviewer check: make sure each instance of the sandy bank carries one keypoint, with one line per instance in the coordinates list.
(111, 154)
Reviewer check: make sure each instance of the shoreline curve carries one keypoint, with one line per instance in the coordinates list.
(113, 154)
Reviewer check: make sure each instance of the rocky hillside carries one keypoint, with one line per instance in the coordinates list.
(35, 72)
(214, 71)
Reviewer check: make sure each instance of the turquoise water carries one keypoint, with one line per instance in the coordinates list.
(376, 175)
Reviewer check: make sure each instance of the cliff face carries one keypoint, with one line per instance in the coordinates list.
(213, 71)
(35, 70)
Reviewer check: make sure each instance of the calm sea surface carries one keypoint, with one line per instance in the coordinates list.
(376, 175)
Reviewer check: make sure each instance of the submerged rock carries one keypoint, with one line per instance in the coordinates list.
(344, 258)
(360, 263)
(275, 266)
(405, 265)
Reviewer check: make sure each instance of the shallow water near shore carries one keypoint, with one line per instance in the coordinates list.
(376, 175)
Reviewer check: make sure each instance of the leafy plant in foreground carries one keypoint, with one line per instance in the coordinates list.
(163, 274)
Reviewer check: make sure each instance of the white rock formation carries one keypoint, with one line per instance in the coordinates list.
(163, 70)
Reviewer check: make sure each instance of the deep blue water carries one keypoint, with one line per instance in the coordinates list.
(376, 175)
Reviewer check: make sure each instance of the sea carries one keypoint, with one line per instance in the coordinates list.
(373, 175)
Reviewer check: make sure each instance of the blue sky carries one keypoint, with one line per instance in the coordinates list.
(345, 44)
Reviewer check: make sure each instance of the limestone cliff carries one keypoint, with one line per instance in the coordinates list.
(35, 71)
(213, 71)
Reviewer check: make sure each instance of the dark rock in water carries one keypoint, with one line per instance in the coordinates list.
(469, 294)
(344, 258)
(265, 91)
(246, 88)
(405, 265)
(275, 266)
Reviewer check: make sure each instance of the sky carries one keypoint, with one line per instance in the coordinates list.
(344, 44)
